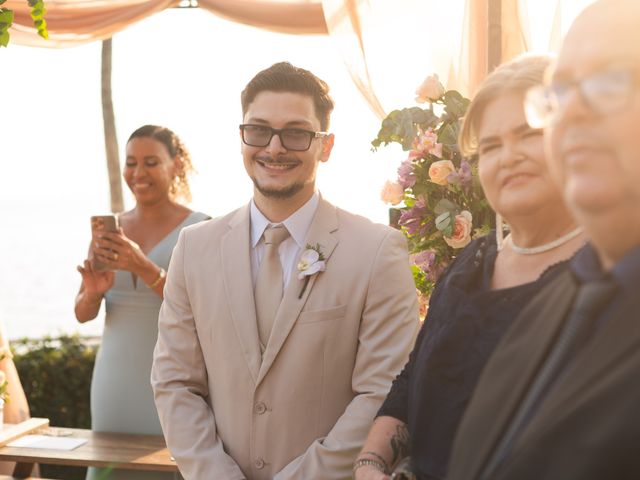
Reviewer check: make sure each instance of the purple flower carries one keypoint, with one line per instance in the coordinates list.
(465, 173)
(406, 175)
(462, 176)
(425, 260)
(412, 218)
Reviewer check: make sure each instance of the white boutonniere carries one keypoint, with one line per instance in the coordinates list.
(311, 262)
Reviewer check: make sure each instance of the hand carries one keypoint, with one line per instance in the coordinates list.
(117, 252)
(369, 472)
(95, 282)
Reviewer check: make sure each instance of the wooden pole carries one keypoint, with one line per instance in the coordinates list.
(110, 137)
(494, 37)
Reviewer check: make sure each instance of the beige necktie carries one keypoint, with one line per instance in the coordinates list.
(268, 292)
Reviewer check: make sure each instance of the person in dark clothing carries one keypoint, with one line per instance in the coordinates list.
(559, 397)
(486, 286)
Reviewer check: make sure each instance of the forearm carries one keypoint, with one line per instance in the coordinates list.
(87, 305)
(387, 442)
(152, 275)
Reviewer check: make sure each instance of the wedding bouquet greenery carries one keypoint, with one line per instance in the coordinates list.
(438, 196)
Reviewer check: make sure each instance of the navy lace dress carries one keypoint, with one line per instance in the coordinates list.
(465, 321)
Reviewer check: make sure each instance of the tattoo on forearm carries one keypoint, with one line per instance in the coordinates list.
(399, 443)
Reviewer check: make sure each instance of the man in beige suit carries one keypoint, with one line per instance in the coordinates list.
(285, 321)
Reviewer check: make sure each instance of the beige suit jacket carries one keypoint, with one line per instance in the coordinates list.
(302, 411)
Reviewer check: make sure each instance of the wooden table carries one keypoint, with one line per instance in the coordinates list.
(117, 450)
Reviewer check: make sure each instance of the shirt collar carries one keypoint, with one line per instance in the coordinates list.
(587, 267)
(297, 223)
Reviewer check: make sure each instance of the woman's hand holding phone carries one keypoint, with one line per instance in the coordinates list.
(117, 252)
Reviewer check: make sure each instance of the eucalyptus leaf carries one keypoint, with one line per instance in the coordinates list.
(445, 206)
(448, 135)
(443, 221)
(6, 16)
(455, 104)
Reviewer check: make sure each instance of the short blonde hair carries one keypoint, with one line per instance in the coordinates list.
(514, 76)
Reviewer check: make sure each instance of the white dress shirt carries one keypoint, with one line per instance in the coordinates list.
(297, 224)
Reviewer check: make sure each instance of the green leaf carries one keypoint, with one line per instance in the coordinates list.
(445, 206)
(455, 104)
(443, 221)
(424, 117)
(6, 16)
(4, 38)
(448, 135)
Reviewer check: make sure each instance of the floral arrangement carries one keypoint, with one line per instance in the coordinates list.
(439, 199)
(4, 395)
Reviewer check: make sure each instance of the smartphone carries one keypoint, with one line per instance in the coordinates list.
(102, 223)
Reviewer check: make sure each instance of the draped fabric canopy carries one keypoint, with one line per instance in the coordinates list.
(388, 46)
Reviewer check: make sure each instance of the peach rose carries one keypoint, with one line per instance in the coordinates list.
(423, 305)
(392, 193)
(431, 89)
(440, 170)
(461, 230)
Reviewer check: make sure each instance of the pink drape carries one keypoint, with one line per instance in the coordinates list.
(300, 17)
(74, 22)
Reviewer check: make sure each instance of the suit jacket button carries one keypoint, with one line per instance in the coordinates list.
(258, 463)
(260, 408)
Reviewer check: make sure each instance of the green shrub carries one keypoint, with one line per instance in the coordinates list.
(56, 377)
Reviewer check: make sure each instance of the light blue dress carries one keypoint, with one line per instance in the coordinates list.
(121, 395)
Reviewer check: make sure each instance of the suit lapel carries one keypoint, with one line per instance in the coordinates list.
(510, 371)
(321, 231)
(236, 260)
(593, 364)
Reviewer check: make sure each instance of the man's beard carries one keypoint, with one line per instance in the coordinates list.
(279, 193)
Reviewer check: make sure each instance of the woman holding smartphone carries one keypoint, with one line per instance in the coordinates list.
(127, 268)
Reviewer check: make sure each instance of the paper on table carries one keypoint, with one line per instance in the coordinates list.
(47, 442)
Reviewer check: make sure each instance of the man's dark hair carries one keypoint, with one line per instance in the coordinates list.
(284, 77)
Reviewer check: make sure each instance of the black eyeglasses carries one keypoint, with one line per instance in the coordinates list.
(604, 92)
(294, 139)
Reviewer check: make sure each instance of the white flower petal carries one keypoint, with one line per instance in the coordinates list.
(309, 256)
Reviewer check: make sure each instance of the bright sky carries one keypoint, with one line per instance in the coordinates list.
(183, 69)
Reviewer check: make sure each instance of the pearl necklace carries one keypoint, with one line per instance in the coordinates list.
(546, 246)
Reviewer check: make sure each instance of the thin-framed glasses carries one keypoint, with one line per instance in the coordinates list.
(604, 92)
(294, 139)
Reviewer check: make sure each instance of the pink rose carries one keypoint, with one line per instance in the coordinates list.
(431, 89)
(440, 170)
(461, 230)
(426, 142)
(392, 193)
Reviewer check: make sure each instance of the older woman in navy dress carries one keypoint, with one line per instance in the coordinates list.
(484, 289)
